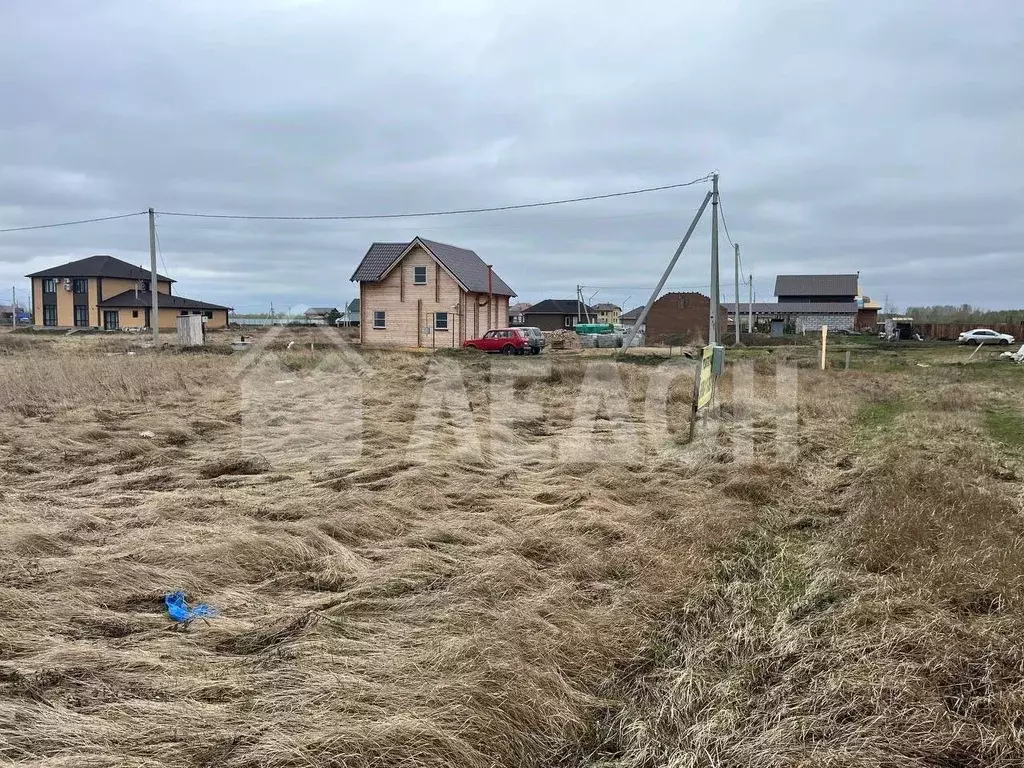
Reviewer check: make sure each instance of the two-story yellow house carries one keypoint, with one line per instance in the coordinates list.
(427, 294)
(104, 292)
(608, 313)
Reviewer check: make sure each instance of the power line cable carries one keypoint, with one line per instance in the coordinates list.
(725, 226)
(72, 223)
(368, 217)
(160, 250)
(493, 209)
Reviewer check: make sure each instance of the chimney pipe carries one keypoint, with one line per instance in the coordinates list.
(490, 295)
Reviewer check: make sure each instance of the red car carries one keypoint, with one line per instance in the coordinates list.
(508, 341)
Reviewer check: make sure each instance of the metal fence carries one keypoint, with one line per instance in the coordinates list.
(950, 331)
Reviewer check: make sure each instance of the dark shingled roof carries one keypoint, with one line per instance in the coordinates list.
(633, 314)
(145, 299)
(557, 307)
(378, 258)
(816, 285)
(801, 308)
(468, 268)
(99, 266)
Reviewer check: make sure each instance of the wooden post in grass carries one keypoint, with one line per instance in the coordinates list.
(847, 360)
(824, 343)
(693, 408)
(982, 344)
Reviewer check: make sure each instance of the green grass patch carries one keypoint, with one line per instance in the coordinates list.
(876, 416)
(1006, 426)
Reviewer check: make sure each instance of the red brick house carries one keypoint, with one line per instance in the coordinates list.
(682, 318)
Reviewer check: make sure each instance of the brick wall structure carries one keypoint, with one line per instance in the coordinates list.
(682, 318)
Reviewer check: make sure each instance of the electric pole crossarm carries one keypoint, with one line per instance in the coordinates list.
(664, 278)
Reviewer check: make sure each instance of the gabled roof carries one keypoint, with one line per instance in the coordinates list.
(816, 285)
(99, 266)
(463, 264)
(378, 258)
(144, 299)
(353, 307)
(633, 314)
(319, 311)
(558, 307)
(606, 307)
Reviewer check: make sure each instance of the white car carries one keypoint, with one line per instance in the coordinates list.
(985, 336)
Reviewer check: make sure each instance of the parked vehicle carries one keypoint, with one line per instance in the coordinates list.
(985, 336)
(507, 341)
(536, 338)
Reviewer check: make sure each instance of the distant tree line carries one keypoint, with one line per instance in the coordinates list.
(964, 313)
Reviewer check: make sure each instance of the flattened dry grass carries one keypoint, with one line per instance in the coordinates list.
(874, 622)
(394, 609)
(860, 606)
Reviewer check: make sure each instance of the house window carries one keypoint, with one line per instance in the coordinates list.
(208, 314)
(379, 318)
(81, 316)
(440, 321)
(570, 321)
(135, 313)
(419, 275)
(49, 314)
(50, 285)
(145, 285)
(81, 285)
(183, 313)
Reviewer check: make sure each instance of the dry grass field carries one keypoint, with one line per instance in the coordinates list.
(395, 591)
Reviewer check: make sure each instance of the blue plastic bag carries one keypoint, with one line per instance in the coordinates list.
(180, 611)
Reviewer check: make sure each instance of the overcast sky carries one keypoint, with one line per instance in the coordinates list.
(879, 136)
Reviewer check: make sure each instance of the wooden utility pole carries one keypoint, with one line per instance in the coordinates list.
(713, 336)
(153, 285)
(736, 303)
(750, 306)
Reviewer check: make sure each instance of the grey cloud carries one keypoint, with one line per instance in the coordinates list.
(880, 137)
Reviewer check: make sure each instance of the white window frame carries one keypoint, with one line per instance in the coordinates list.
(570, 321)
(383, 319)
(415, 276)
(47, 282)
(440, 321)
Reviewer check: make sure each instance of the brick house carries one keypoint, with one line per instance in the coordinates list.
(104, 292)
(681, 318)
(427, 294)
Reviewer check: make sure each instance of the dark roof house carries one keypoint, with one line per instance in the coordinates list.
(817, 287)
(463, 264)
(99, 266)
(560, 307)
(552, 314)
(144, 299)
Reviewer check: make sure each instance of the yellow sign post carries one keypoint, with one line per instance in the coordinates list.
(707, 380)
(703, 385)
